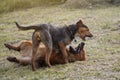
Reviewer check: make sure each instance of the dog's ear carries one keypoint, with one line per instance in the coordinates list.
(79, 23)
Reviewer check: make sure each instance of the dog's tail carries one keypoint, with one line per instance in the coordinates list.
(27, 27)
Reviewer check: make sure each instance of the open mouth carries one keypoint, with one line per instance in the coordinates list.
(84, 39)
(87, 36)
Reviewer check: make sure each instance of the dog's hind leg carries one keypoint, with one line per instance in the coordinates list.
(35, 41)
(47, 41)
(16, 48)
(13, 59)
(45, 37)
(22, 61)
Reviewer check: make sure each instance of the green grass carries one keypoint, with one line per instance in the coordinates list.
(8, 5)
(102, 50)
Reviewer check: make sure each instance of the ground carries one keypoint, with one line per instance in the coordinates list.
(103, 50)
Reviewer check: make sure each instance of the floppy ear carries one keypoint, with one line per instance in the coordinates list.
(79, 22)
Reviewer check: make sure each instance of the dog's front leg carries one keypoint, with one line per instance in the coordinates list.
(63, 50)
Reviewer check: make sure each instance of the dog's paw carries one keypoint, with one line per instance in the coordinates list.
(82, 43)
(7, 46)
(12, 59)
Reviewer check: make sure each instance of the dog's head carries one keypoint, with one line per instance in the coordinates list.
(83, 30)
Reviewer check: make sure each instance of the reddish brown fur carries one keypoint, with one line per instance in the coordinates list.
(56, 58)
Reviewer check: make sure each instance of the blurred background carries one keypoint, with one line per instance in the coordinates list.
(8, 5)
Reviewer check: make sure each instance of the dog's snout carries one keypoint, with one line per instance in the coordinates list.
(90, 35)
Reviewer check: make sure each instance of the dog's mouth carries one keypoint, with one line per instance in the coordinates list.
(87, 36)
(90, 36)
(84, 38)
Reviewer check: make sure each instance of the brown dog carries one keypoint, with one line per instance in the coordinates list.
(25, 49)
(55, 39)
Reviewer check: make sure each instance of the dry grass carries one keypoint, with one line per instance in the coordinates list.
(102, 51)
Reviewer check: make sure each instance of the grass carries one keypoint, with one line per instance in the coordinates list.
(10, 6)
(102, 50)
(7, 5)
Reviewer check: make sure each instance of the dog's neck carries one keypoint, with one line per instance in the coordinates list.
(72, 29)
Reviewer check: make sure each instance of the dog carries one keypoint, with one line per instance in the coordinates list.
(25, 50)
(55, 39)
